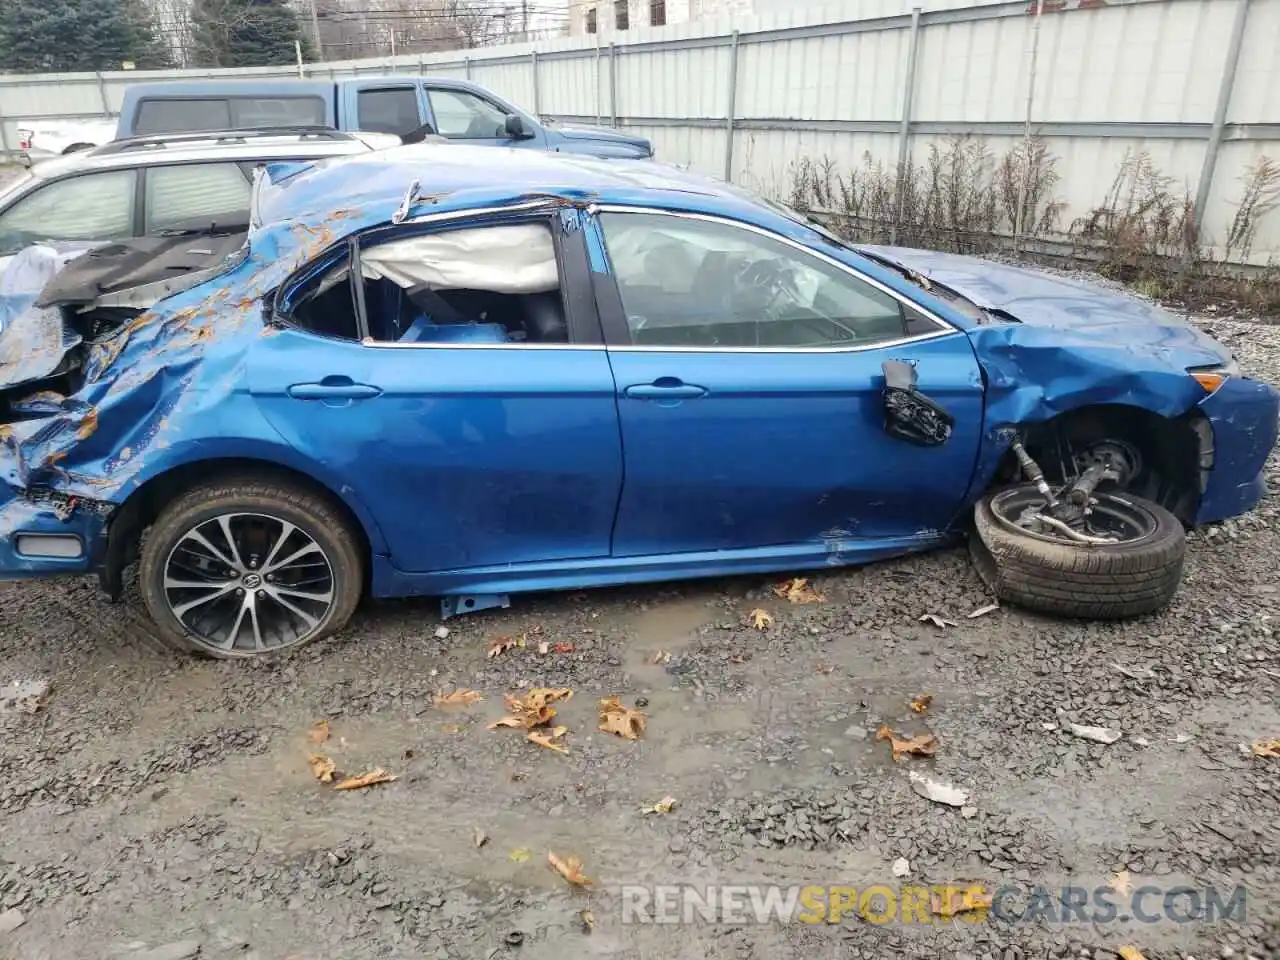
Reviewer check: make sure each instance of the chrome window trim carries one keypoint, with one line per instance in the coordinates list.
(946, 328)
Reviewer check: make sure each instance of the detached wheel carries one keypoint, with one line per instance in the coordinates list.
(244, 567)
(1138, 572)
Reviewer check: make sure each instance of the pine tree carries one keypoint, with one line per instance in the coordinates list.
(244, 33)
(68, 35)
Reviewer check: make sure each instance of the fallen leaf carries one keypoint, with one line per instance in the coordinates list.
(1096, 734)
(1120, 882)
(519, 855)
(949, 901)
(825, 668)
(479, 838)
(319, 731)
(798, 590)
(532, 710)
(936, 620)
(548, 739)
(937, 791)
(1266, 748)
(621, 720)
(450, 727)
(500, 645)
(983, 611)
(459, 698)
(539, 697)
(661, 656)
(921, 703)
(665, 805)
(365, 780)
(562, 648)
(1130, 953)
(923, 744)
(322, 767)
(570, 869)
(518, 776)
(760, 619)
(588, 920)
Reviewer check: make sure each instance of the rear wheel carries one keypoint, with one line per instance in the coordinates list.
(1133, 567)
(242, 568)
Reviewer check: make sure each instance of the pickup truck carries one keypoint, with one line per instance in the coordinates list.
(408, 106)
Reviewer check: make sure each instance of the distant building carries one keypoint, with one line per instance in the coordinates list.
(588, 17)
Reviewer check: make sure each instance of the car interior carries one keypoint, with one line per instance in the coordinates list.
(498, 284)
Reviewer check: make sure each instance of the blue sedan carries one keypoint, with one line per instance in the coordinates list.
(466, 373)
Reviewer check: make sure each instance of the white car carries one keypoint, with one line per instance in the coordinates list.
(42, 139)
(154, 185)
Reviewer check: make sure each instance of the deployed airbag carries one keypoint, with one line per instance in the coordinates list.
(515, 259)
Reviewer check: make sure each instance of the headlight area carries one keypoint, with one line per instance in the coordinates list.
(1213, 376)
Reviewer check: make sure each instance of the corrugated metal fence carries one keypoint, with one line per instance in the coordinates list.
(1194, 84)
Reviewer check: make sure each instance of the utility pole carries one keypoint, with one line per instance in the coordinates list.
(315, 31)
(524, 20)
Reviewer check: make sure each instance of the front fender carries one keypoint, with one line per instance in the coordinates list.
(1033, 374)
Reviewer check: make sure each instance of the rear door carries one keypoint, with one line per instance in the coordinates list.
(749, 392)
(396, 107)
(469, 453)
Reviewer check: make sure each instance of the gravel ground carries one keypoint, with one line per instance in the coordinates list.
(163, 807)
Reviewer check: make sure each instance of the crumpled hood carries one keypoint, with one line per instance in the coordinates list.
(1039, 299)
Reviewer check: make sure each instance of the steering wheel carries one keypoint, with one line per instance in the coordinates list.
(763, 286)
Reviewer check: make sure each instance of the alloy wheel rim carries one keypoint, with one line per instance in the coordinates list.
(247, 583)
(1113, 514)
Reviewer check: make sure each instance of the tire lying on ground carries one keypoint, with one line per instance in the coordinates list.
(1104, 582)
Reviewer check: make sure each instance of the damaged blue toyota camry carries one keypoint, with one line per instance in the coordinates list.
(471, 372)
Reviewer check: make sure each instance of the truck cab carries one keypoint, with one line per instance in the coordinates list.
(407, 106)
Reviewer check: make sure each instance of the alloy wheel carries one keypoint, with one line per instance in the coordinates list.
(246, 583)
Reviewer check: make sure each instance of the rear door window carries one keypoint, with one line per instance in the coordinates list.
(196, 195)
(95, 206)
(389, 110)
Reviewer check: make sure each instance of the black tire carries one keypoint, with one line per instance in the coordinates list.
(1108, 582)
(314, 516)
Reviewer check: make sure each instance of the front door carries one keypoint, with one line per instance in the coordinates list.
(468, 452)
(749, 392)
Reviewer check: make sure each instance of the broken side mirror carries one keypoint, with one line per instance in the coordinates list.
(908, 414)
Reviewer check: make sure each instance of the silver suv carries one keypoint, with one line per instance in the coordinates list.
(156, 185)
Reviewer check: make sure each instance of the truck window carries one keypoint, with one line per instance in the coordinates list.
(389, 110)
(196, 114)
(466, 116)
(181, 116)
(195, 195)
(96, 206)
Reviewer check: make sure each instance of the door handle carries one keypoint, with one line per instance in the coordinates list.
(665, 388)
(333, 388)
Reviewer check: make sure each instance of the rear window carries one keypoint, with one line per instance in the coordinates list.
(196, 114)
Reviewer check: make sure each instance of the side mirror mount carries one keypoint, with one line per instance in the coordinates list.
(515, 128)
(419, 134)
(908, 414)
